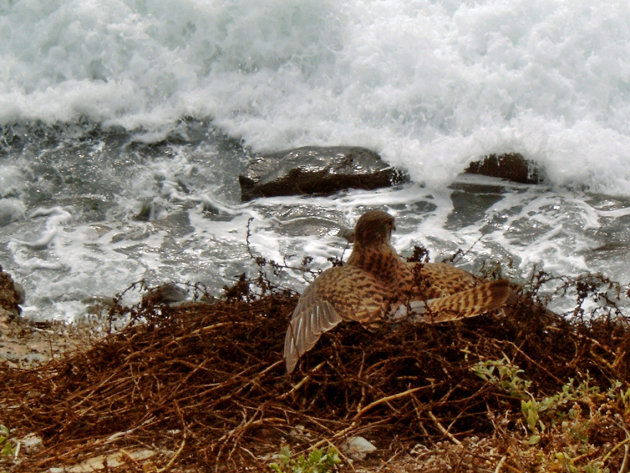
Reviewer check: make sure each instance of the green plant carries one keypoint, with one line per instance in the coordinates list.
(508, 377)
(6, 444)
(317, 461)
(561, 417)
(617, 393)
(562, 462)
(504, 375)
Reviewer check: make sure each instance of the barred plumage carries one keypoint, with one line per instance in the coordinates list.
(377, 283)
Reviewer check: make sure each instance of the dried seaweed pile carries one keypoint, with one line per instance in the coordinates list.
(205, 384)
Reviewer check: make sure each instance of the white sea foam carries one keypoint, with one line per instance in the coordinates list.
(11, 210)
(430, 85)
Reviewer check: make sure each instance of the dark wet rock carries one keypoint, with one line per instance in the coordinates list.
(169, 293)
(316, 170)
(11, 294)
(19, 293)
(147, 211)
(512, 167)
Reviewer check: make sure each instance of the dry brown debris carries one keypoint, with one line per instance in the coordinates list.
(205, 385)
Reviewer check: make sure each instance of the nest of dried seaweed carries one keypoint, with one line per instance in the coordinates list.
(205, 384)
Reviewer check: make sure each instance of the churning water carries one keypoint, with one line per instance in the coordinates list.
(124, 125)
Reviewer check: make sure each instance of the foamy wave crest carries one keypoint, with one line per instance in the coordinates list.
(430, 85)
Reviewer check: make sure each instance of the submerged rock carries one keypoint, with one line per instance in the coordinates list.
(513, 167)
(316, 170)
(148, 211)
(169, 293)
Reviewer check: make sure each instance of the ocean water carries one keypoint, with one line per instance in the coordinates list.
(124, 125)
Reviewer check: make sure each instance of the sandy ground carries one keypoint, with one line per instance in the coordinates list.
(24, 344)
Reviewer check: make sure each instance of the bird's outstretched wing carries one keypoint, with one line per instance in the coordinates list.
(340, 293)
(312, 317)
(479, 300)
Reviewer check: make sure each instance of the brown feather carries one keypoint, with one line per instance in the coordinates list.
(375, 280)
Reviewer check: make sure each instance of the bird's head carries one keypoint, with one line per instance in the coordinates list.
(374, 228)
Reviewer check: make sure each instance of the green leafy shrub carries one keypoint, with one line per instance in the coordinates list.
(317, 461)
(6, 444)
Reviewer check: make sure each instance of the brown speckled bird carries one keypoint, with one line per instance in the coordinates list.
(376, 284)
